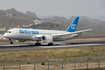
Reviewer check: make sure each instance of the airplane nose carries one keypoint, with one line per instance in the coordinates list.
(4, 35)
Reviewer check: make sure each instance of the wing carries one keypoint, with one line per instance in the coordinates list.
(71, 33)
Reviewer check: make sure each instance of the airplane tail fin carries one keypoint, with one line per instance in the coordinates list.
(73, 26)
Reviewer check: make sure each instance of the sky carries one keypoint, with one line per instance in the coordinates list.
(92, 8)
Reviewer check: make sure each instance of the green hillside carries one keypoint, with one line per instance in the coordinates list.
(12, 18)
(12, 22)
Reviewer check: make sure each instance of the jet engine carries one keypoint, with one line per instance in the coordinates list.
(46, 39)
(20, 40)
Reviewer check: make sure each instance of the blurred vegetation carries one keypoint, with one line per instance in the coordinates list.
(49, 26)
(12, 22)
(2, 32)
(52, 54)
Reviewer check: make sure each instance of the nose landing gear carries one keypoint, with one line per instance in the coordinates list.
(11, 42)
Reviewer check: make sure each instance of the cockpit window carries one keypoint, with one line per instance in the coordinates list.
(8, 32)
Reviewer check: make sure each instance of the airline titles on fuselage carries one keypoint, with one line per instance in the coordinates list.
(28, 32)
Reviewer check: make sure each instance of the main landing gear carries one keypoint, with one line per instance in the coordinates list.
(11, 42)
(37, 44)
(50, 44)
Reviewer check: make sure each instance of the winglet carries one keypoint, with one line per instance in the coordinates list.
(73, 26)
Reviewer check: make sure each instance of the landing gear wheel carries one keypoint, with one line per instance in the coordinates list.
(50, 44)
(11, 42)
(37, 44)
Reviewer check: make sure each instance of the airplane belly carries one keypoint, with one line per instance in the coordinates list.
(70, 37)
(13, 36)
(62, 38)
(26, 36)
(20, 36)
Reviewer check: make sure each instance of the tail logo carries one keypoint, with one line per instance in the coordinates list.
(73, 26)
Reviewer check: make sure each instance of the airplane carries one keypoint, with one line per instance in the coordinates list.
(45, 36)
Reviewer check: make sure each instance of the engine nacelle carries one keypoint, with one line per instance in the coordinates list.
(46, 39)
(20, 40)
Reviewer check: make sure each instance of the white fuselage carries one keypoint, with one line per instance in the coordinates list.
(33, 34)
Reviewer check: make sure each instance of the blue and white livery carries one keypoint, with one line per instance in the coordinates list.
(46, 36)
